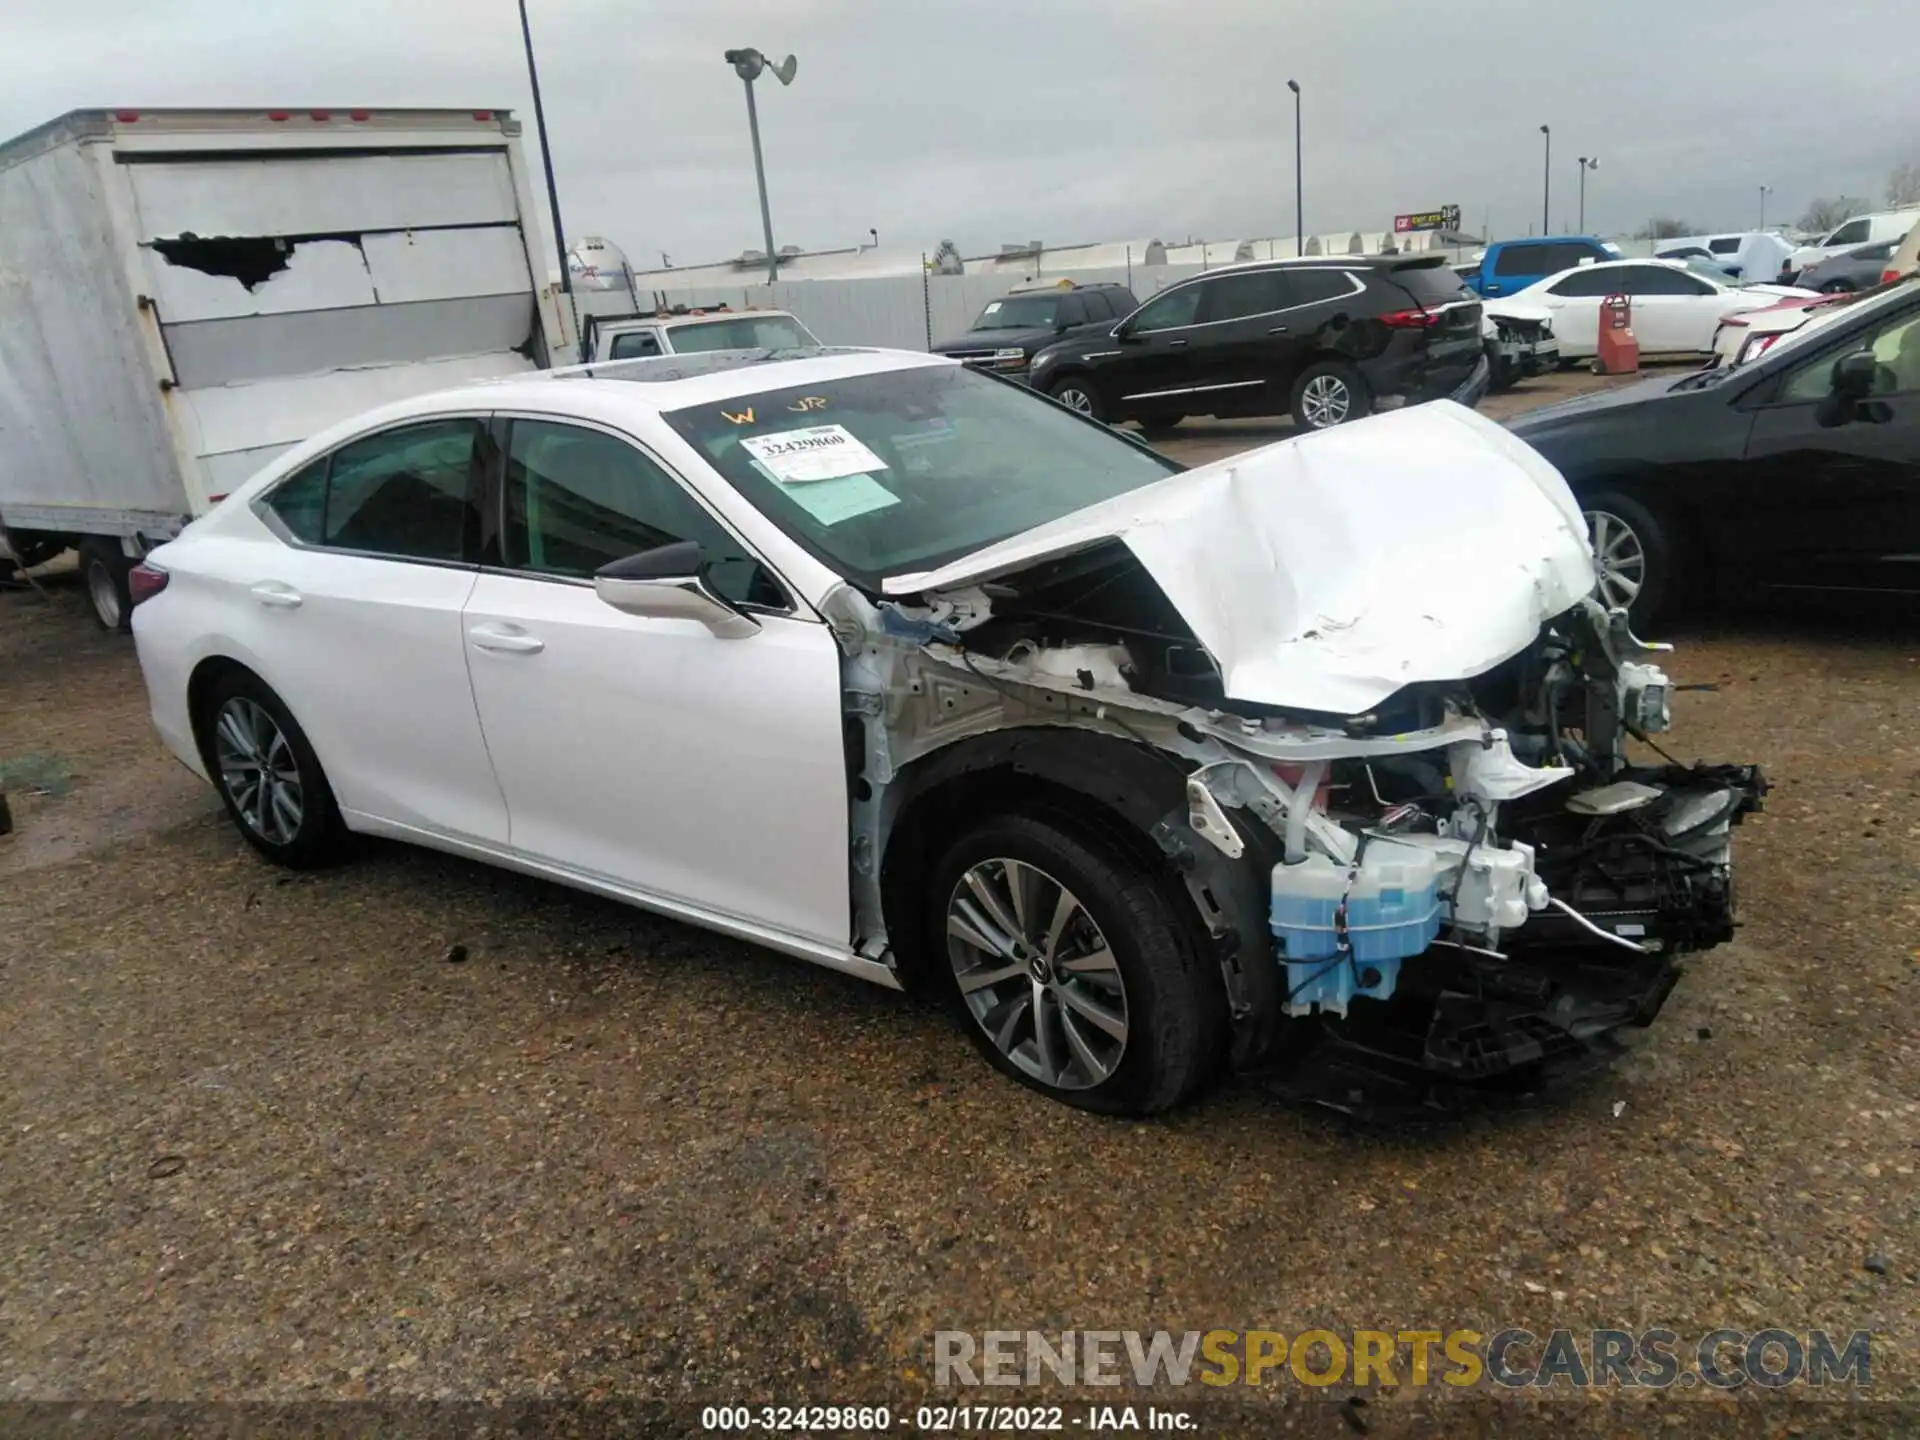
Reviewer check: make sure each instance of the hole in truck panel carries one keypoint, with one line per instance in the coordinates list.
(252, 260)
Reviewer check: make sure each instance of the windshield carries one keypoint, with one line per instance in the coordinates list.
(887, 474)
(746, 332)
(1700, 265)
(1019, 312)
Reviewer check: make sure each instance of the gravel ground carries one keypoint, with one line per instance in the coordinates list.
(416, 1129)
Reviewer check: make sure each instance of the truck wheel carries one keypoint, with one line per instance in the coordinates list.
(1329, 393)
(1070, 966)
(267, 774)
(105, 569)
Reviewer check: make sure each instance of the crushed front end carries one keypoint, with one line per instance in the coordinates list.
(1570, 882)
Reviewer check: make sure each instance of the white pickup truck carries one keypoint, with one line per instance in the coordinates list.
(184, 294)
(681, 330)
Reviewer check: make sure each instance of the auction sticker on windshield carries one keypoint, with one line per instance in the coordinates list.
(824, 469)
(819, 452)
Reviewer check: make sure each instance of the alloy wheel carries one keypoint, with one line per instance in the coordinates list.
(258, 770)
(1036, 974)
(1326, 401)
(1074, 398)
(1619, 559)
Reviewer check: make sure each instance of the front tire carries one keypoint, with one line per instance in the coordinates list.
(1329, 393)
(104, 569)
(268, 776)
(1078, 393)
(1635, 554)
(1500, 375)
(1070, 967)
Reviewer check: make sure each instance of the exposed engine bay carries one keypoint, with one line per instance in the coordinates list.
(1472, 879)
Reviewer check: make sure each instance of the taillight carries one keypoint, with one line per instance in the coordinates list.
(1887, 277)
(1410, 319)
(145, 581)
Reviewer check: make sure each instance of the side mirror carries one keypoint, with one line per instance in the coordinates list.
(670, 583)
(1853, 375)
(1124, 333)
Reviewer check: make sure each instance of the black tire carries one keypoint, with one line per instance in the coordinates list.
(32, 548)
(1335, 378)
(1657, 542)
(104, 570)
(321, 837)
(1173, 1015)
(1500, 376)
(1156, 426)
(1078, 392)
(1836, 287)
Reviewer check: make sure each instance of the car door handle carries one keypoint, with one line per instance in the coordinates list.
(275, 594)
(1176, 344)
(505, 640)
(1276, 330)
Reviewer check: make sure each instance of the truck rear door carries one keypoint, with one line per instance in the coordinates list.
(298, 284)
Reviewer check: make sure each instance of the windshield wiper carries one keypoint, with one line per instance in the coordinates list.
(1702, 379)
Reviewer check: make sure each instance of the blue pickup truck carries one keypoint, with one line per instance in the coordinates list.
(1510, 266)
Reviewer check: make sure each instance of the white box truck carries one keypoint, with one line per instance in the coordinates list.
(186, 293)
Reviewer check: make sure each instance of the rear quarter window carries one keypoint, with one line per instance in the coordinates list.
(1431, 285)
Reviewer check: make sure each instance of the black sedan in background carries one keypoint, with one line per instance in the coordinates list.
(1799, 470)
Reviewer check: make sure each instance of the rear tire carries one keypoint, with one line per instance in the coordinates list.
(1160, 426)
(1078, 393)
(1129, 1020)
(104, 569)
(1836, 287)
(1329, 393)
(270, 780)
(1633, 548)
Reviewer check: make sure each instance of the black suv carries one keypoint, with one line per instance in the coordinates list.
(1322, 339)
(1006, 333)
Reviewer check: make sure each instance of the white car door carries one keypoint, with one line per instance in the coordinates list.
(1674, 312)
(353, 615)
(647, 754)
(1574, 300)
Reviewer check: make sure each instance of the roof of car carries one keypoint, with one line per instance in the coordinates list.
(672, 382)
(707, 317)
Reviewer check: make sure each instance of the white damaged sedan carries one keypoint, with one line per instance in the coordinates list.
(1311, 761)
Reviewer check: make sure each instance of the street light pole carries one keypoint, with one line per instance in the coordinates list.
(1765, 190)
(546, 155)
(1299, 204)
(748, 64)
(1586, 164)
(1546, 182)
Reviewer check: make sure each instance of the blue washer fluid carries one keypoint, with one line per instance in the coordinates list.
(1392, 911)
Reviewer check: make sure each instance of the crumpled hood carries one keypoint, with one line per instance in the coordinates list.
(1326, 572)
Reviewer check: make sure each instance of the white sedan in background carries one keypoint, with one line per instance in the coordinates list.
(912, 672)
(1676, 310)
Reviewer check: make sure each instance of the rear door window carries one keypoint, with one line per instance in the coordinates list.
(1073, 311)
(1660, 280)
(1590, 282)
(299, 503)
(407, 492)
(1236, 297)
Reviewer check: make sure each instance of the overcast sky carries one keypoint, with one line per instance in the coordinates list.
(1062, 120)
